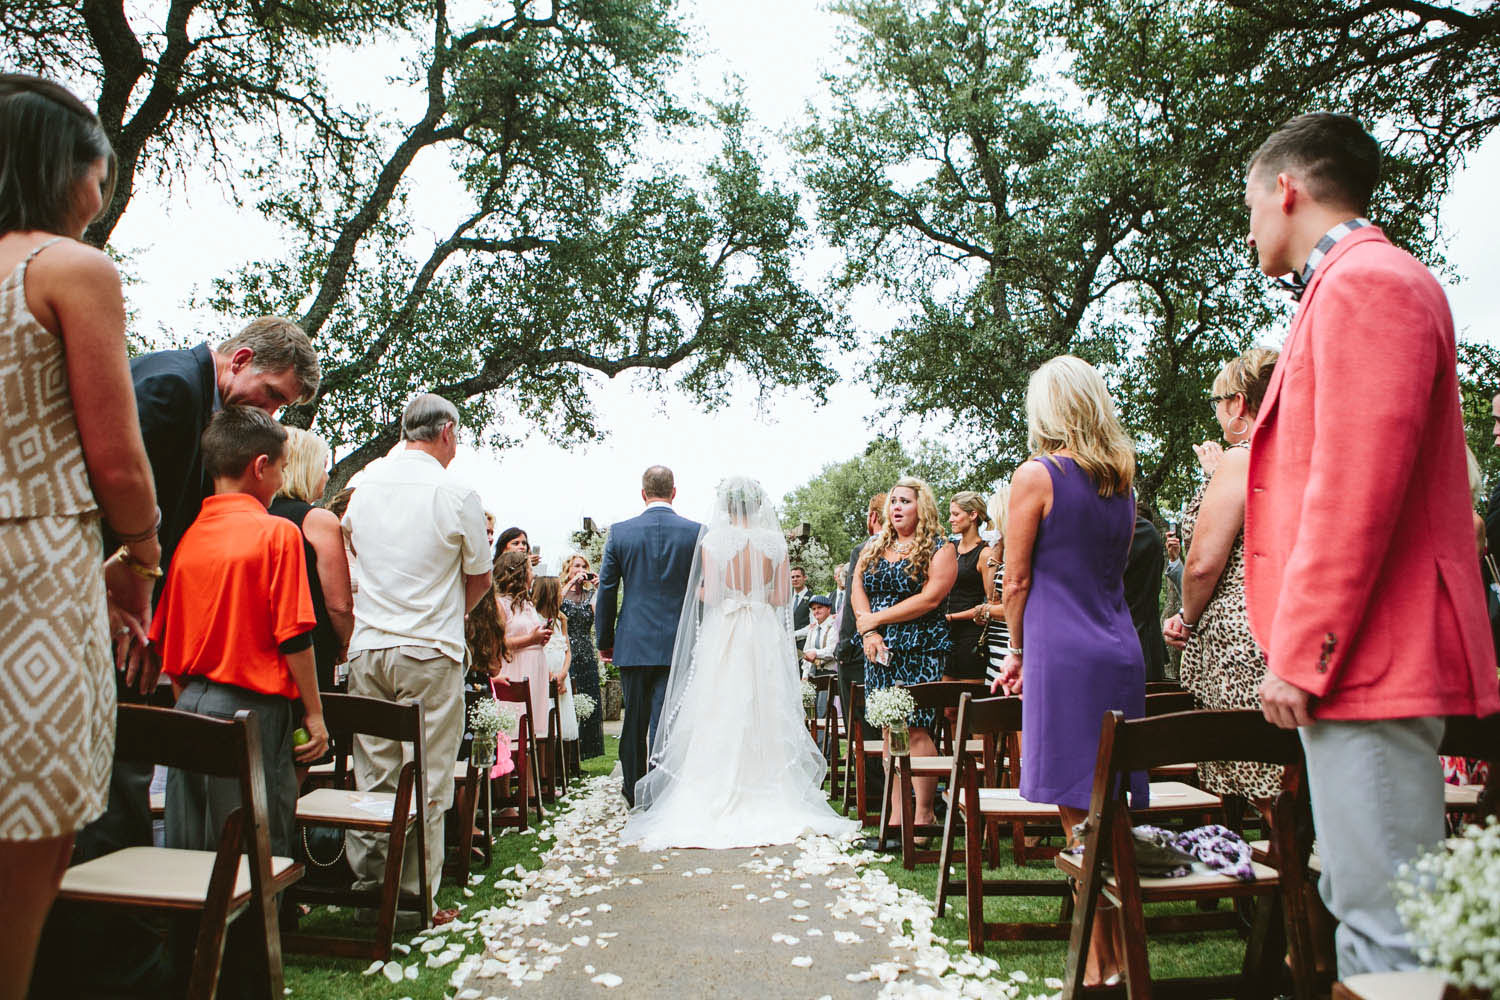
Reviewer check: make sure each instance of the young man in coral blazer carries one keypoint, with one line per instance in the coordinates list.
(1362, 578)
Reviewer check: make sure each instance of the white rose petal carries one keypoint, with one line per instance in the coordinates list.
(803, 961)
(607, 979)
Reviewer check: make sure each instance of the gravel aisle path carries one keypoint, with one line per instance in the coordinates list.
(800, 920)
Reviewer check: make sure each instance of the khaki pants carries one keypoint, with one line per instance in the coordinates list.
(428, 677)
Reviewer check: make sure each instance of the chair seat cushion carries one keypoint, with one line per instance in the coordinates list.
(1266, 878)
(1420, 985)
(1461, 796)
(344, 807)
(1166, 797)
(930, 766)
(163, 876)
(1260, 850)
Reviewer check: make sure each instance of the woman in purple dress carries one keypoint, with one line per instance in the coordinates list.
(1072, 515)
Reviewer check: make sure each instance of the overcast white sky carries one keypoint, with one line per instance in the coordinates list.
(779, 49)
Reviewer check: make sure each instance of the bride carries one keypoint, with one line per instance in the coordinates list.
(732, 763)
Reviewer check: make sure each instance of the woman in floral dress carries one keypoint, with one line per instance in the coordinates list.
(900, 585)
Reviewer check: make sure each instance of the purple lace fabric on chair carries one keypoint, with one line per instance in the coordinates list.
(1217, 848)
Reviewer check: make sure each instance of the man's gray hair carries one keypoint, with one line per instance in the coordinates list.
(426, 416)
(279, 344)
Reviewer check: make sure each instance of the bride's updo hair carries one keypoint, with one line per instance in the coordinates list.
(929, 530)
(741, 496)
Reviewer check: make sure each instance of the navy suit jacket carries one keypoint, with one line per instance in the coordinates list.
(174, 398)
(652, 556)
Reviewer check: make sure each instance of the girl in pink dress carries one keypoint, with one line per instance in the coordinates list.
(526, 634)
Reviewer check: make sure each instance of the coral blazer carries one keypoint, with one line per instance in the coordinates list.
(1362, 578)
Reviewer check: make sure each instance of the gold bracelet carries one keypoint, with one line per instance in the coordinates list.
(140, 569)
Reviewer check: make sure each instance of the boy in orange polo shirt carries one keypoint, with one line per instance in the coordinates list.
(234, 631)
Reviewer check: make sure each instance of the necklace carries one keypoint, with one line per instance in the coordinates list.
(902, 548)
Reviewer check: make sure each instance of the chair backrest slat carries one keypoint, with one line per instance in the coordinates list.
(1467, 736)
(1242, 735)
(942, 694)
(348, 713)
(184, 740)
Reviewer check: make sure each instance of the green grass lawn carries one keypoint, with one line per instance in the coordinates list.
(1211, 953)
(314, 977)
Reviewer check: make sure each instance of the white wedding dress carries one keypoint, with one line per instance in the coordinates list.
(733, 764)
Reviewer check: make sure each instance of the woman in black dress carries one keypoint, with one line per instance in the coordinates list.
(578, 609)
(969, 600)
(323, 543)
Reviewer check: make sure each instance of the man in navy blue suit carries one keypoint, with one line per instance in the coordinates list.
(652, 556)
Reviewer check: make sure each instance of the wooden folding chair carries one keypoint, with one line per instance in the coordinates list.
(1479, 739)
(551, 776)
(510, 810)
(860, 750)
(940, 696)
(1161, 699)
(1108, 866)
(459, 820)
(218, 885)
(826, 728)
(980, 806)
(393, 814)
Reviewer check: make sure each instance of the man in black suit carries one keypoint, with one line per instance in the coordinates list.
(266, 365)
(1143, 571)
(801, 606)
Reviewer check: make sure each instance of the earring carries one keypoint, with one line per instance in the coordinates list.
(1242, 432)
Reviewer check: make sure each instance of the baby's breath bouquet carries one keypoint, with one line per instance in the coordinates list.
(583, 707)
(809, 697)
(889, 708)
(487, 720)
(1449, 899)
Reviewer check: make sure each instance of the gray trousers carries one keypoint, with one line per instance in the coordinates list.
(1377, 799)
(197, 805)
(437, 683)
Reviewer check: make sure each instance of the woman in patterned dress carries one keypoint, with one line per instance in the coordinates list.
(578, 608)
(900, 585)
(1221, 663)
(71, 452)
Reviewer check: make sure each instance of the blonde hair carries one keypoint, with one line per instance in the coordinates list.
(973, 503)
(1068, 407)
(1248, 375)
(1000, 505)
(929, 530)
(306, 461)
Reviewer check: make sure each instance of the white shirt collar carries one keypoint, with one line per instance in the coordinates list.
(659, 503)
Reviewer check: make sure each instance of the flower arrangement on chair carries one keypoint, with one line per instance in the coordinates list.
(489, 721)
(890, 708)
(1449, 898)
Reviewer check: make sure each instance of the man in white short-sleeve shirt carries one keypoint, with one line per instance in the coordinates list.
(423, 563)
